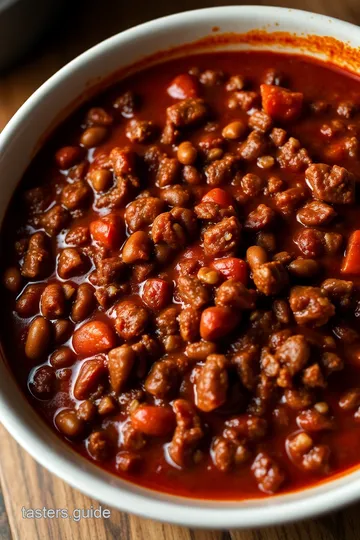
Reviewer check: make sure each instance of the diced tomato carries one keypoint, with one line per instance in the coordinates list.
(232, 268)
(280, 103)
(218, 196)
(183, 87)
(93, 337)
(153, 420)
(217, 321)
(157, 293)
(351, 262)
(108, 230)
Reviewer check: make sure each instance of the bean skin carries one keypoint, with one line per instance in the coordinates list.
(38, 338)
(84, 302)
(69, 423)
(12, 279)
(255, 256)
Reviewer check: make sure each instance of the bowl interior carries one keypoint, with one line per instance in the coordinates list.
(234, 27)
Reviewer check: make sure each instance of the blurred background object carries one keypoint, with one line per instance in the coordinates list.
(21, 23)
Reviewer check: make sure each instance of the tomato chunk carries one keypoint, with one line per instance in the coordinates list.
(153, 420)
(157, 293)
(93, 337)
(183, 87)
(351, 262)
(218, 196)
(108, 230)
(217, 321)
(280, 103)
(232, 268)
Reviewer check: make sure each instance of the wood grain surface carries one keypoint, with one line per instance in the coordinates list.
(24, 483)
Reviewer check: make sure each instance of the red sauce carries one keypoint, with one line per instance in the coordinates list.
(329, 136)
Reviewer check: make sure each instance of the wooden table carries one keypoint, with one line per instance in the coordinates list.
(24, 483)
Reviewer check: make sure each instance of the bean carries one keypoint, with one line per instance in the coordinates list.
(186, 153)
(52, 301)
(61, 358)
(100, 179)
(69, 424)
(234, 130)
(68, 156)
(137, 248)
(38, 338)
(84, 302)
(93, 136)
(120, 364)
(12, 279)
(255, 256)
(304, 268)
(62, 330)
(99, 117)
(28, 303)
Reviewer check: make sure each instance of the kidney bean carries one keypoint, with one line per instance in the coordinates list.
(304, 268)
(69, 424)
(100, 179)
(68, 156)
(153, 420)
(187, 153)
(157, 293)
(38, 338)
(232, 268)
(28, 303)
(120, 363)
(12, 279)
(93, 136)
(61, 358)
(234, 130)
(93, 337)
(137, 248)
(256, 256)
(217, 321)
(90, 375)
(62, 330)
(84, 302)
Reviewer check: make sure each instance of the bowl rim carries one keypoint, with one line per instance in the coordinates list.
(307, 502)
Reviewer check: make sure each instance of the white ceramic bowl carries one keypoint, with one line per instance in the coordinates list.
(17, 145)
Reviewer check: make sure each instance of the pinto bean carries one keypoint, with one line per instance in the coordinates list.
(84, 302)
(38, 338)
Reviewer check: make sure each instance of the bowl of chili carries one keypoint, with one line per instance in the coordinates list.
(181, 268)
